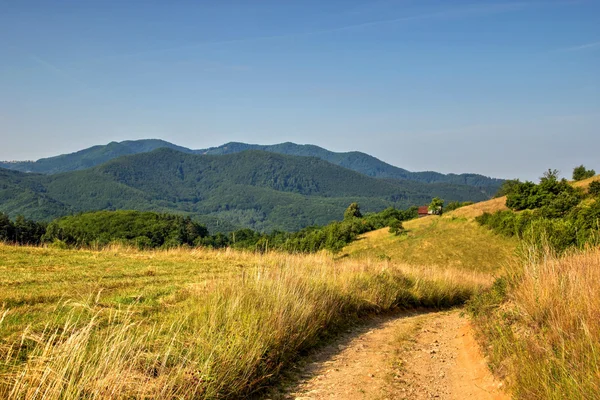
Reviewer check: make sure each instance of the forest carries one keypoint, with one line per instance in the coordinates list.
(146, 230)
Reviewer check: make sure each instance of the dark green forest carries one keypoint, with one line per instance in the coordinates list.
(363, 163)
(356, 161)
(258, 190)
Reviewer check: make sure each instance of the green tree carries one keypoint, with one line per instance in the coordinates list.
(436, 206)
(594, 188)
(580, 173)
(507, 187)
(397, 228)
(353, 211)
(6, 229)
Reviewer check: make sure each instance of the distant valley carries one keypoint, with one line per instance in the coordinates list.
(285, 187)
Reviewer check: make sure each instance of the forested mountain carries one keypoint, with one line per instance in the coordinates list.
(356, 161)
(256, 189)
(363, 163)
(90, 157)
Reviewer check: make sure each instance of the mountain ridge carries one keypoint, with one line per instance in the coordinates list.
(257, 189)
(354, 160)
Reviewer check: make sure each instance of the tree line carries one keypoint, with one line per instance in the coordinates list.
(159, 230)
(22, 231)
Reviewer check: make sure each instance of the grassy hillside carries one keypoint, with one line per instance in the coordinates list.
(453, 240)
(255, 189)
(184, 323)
(586, 182)
(539, 322)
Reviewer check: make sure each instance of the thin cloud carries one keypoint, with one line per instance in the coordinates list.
(587, 46)
(473, 10)
(61, 72)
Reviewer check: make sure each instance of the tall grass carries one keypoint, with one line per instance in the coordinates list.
(215, 338)
(542, 325)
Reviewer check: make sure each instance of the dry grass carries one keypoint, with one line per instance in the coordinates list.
(586, 182)
(440, 242)
(120, 323)
(477, 209)
(546, 337)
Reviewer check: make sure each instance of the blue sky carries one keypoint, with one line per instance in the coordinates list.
(503, 88)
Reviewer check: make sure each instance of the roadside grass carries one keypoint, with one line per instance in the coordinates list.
(541, 325)
(183, 323)
(441, 242)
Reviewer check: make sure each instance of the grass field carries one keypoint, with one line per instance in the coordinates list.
(121, 323)
(541, 326)
(443, 242)
(196, 323)
(540, 323)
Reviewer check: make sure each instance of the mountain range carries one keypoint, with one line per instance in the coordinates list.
(286, 186)
(354, 160)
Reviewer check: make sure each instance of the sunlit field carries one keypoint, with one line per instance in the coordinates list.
(121, 323)
(443, 242)
(542, 326)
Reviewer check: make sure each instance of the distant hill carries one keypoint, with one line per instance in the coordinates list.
(256, 189)
(361, 162)
(356, 161)
(90, 157)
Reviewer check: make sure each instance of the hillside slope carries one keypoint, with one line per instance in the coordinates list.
(90, 157)
(363, 163)
(356, 161)
(256, 189)
(453, 240)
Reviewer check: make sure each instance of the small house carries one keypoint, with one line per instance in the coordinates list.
(423, 211)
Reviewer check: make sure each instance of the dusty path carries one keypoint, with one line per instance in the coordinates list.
(410, 356)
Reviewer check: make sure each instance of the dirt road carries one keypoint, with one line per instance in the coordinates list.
(409, 356)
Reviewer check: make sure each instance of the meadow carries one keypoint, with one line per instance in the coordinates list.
(187, 323)
(540, 321)
(449, 241)
(195, 323)
(540, 325)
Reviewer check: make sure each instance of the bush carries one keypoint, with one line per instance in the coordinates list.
(579, 227)
(453, 205)
(594, 188)
(397, 228)
(580, 173)
(507, 187)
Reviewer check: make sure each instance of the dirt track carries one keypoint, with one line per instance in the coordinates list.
(408, 356)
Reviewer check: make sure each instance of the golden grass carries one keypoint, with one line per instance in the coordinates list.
(546, 337)
(440, 242)
(121, 323)
(586, 182)
(477, 209)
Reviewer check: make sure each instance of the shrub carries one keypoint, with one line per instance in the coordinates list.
(580, 173)
(397, 228)
(594, 188)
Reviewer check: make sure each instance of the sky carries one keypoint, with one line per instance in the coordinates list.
(502, 88)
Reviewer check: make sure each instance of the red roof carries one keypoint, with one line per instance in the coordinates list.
(424, 210)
